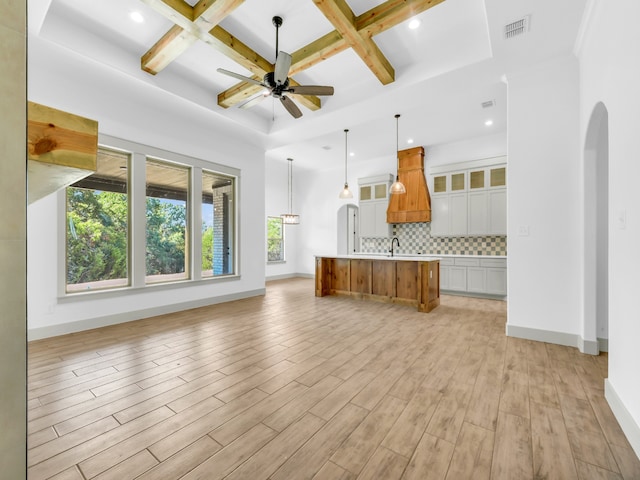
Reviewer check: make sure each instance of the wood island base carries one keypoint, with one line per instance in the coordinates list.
(391, 280)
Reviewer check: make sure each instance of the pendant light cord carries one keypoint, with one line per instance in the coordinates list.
(397, 156)
(346, 131)
(290, 184)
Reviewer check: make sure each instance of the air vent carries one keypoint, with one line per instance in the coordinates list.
(326, 147)
(488, 104)
(518, 27)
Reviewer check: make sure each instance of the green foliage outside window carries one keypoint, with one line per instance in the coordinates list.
(96, 236)
(166, 229)
(275, 239)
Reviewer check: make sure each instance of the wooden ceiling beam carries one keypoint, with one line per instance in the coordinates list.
(374, 21)
(391, 13)
(343, 19)
(191, 24)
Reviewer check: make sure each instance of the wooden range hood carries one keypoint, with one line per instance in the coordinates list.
(415, 205)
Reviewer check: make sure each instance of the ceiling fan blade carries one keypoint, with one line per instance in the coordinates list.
(291, 107)
(254, 101)
(240, 77)
(283, 63)
(311, 90)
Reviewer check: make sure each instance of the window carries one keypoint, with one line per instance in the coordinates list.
(167, 221)
(218, 227)
(275, 240)
(97, 226)
(148, 218)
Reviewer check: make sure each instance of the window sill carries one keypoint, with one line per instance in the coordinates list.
(276, 262)
(154, 287)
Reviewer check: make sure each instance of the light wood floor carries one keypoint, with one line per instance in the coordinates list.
(289, 386)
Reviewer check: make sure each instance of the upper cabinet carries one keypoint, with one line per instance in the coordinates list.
(374, 196)
(469, 199)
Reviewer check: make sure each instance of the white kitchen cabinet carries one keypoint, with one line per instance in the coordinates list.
(373, 219)
(497, 281)
(476, 279)
(439, 215)
(484, 276)
(469, 199)
(497, 212)
(478, 219)
(449, 215)
(374, 196)
(457, 279)
(458, 214)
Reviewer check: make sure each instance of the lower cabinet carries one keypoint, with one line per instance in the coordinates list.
(474, 275)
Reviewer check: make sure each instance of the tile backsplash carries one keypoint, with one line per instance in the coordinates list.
(415, 238)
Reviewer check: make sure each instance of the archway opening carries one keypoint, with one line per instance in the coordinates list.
(596, 230)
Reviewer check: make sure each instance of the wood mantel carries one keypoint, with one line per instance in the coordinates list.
(392, 280)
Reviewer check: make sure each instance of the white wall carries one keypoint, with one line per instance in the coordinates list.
(277, 203)
(132, 111)
(544, 232)
(610, 73)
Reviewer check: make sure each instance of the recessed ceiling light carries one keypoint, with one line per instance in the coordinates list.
(413, 24)
(410, 140)
(488, 123)
(136, 17)
(352, 154)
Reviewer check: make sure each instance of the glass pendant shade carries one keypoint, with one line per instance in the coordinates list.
(290, 218)
(345, 193)
(397, 187)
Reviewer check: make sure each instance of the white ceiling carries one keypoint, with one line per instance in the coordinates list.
(444, 70)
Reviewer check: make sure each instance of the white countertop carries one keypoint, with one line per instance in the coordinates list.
(401, 256)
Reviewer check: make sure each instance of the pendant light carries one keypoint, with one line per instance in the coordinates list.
(397, 187)
(345, 193)
(290, 218)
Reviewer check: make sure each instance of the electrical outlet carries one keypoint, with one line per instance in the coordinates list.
(523, 231)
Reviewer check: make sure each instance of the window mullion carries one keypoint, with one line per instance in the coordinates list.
(138, 222)
(196, 223)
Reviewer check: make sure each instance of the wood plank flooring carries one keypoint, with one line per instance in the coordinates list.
(290, 386)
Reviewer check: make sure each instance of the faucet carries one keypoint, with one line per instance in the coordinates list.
(394, 239)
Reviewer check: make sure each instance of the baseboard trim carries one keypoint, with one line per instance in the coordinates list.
(630, 428)
(285, 276)
(559, 338)
(98, 322)
(603, 344)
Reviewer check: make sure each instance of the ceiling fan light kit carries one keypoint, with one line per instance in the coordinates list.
(345, 193)
(397, 187)
(290, 218)
(277, 82)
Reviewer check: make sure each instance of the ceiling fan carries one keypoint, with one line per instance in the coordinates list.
(277, 82)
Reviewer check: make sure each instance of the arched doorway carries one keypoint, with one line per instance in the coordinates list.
(596, 231)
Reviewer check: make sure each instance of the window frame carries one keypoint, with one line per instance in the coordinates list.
(129, 216)
(137, 228)
(283, 241)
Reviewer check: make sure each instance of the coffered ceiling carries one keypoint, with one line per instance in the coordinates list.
(436, 76)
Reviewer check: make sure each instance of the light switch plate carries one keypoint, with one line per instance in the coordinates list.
(622, 219)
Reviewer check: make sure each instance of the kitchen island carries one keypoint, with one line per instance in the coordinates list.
(405, 280)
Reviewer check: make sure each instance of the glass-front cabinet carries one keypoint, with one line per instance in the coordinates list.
(469, 198)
